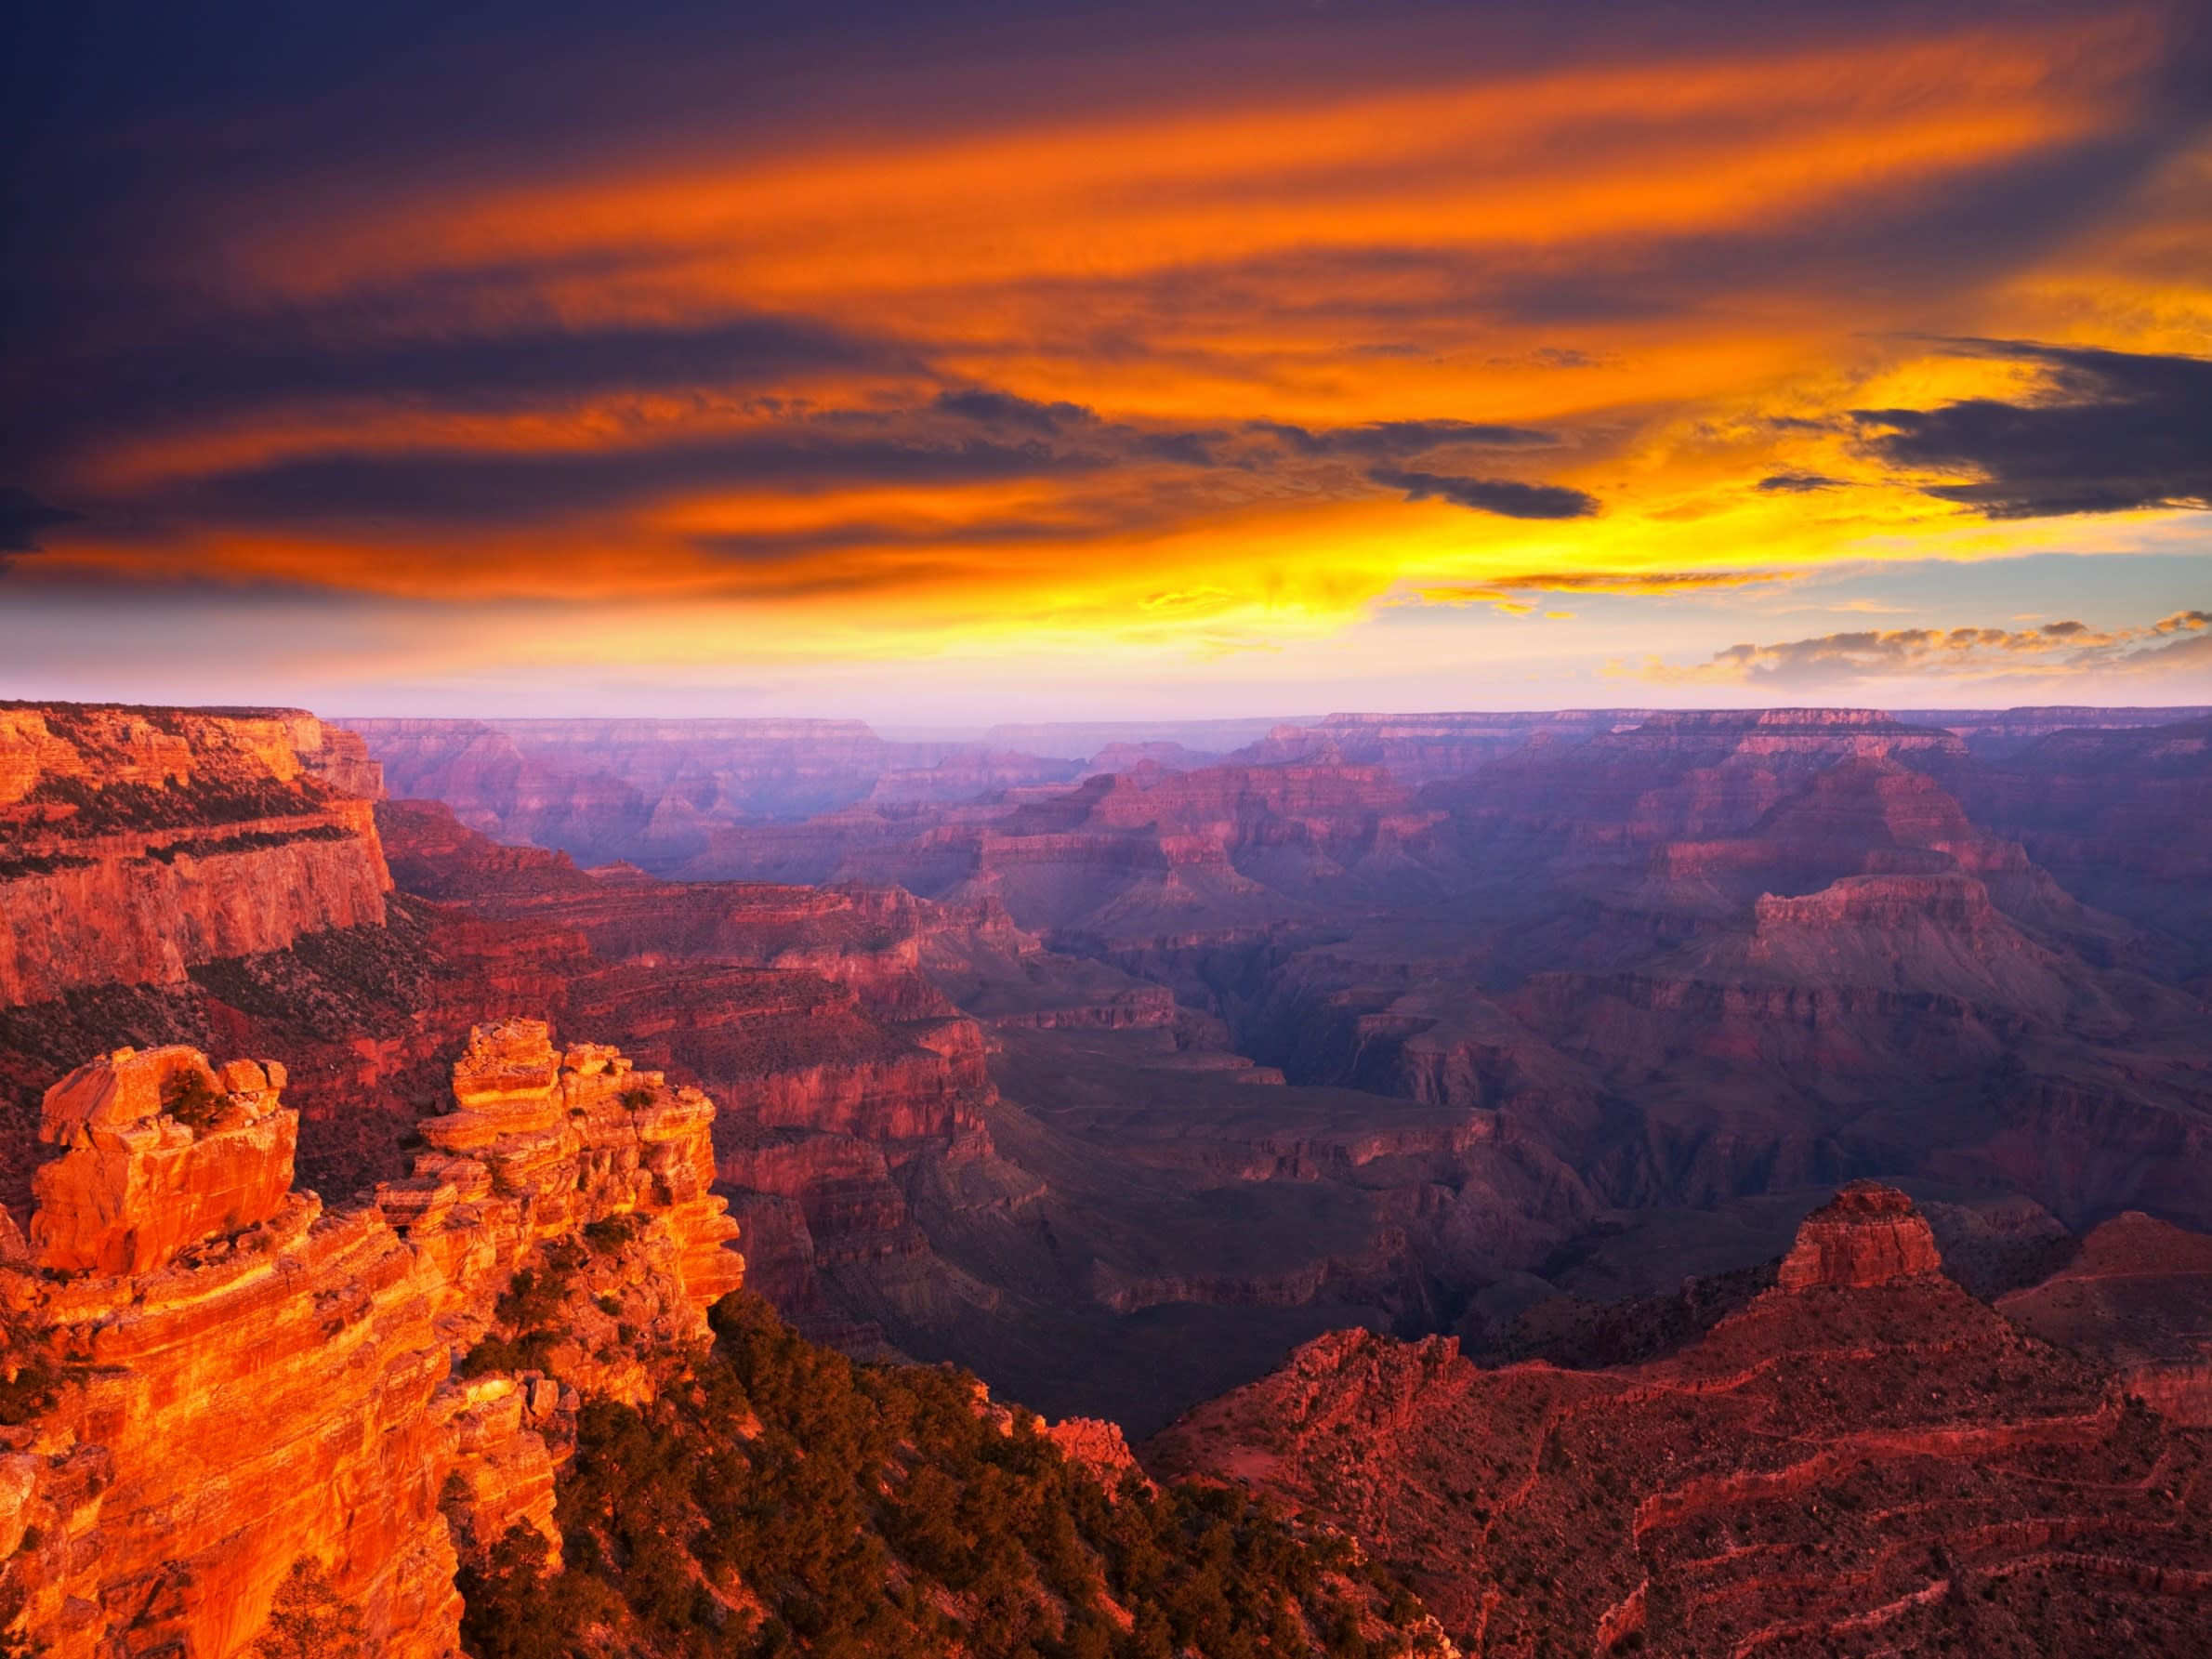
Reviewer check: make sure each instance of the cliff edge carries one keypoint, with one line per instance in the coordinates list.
(210, 1381)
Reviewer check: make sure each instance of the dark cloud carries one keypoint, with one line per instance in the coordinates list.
(164, 146)
(1004, 409)
(2111, 431)
(1400, 440)
(474, 487)
(24, 518)
(1798, 483)
(1499, 495)
(961, 435)
(770, 548)
(405, 351)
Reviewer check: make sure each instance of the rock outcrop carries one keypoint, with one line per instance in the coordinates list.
(656, 791)
(135, 843)
(2138, 1297)
(1867, 1235)
(162, 1154)
(214, 1378)
(1870, 1461)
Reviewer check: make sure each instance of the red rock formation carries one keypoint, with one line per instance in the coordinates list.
(162, 1154)
(269, 1386)
(2139, 1297)
(1866, 1234)
(1096, 1446)
(654, 791)
(137, 842)
(966, 775)
(2117, 816)
(1870, 1461)
(1555, 957)
(723, 986)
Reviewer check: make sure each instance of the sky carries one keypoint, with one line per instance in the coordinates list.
(980, 360)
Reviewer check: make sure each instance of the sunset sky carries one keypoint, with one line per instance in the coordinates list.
(959, 361)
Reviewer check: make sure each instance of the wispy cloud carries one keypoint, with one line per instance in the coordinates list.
(2181, 640)
(1511, 594)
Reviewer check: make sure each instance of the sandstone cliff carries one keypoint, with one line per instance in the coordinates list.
(211, 1377)
(137, 842)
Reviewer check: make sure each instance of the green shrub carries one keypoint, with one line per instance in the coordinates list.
(309, 1620)
(193, 1098)
(859, 1503)
(612, 1234)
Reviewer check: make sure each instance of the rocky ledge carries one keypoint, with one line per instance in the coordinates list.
(1864, 1459)
(136, 843)
(209, 1381)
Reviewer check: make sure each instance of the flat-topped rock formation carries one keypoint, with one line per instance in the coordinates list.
(655, 791)
(1867, 1235)
(1863, 1459)
(137, 842)
(214, 1378)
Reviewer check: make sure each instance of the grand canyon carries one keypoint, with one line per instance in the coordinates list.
(1694, 1181)
(1133, 829)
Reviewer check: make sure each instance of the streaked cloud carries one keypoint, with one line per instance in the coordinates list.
(1514, 594)
(1508, 498)
(881, 349)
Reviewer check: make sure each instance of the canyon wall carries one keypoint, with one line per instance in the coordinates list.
(654, 791)
(1181, 1065)
(212, 1378)
(135, 843)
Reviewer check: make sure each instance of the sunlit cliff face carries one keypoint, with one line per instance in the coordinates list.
(1389, 356)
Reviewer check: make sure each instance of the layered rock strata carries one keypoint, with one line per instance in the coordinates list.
(162, 1152)
(135, 843)
(1863, 1459)
(1867, 1235)
(209, 1386)
(2139, 1296)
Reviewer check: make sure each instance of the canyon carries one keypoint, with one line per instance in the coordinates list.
(1415, 1022)
(1457, 1074)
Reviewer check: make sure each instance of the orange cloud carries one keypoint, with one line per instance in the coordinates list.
(1201, 377)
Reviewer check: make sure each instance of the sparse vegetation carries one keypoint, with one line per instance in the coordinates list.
(247, 841)
(193, 1098)
(782, 1499)
(309, 1620)
(612, 1234)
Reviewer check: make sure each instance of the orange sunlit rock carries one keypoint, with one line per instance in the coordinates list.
(259, 1379)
